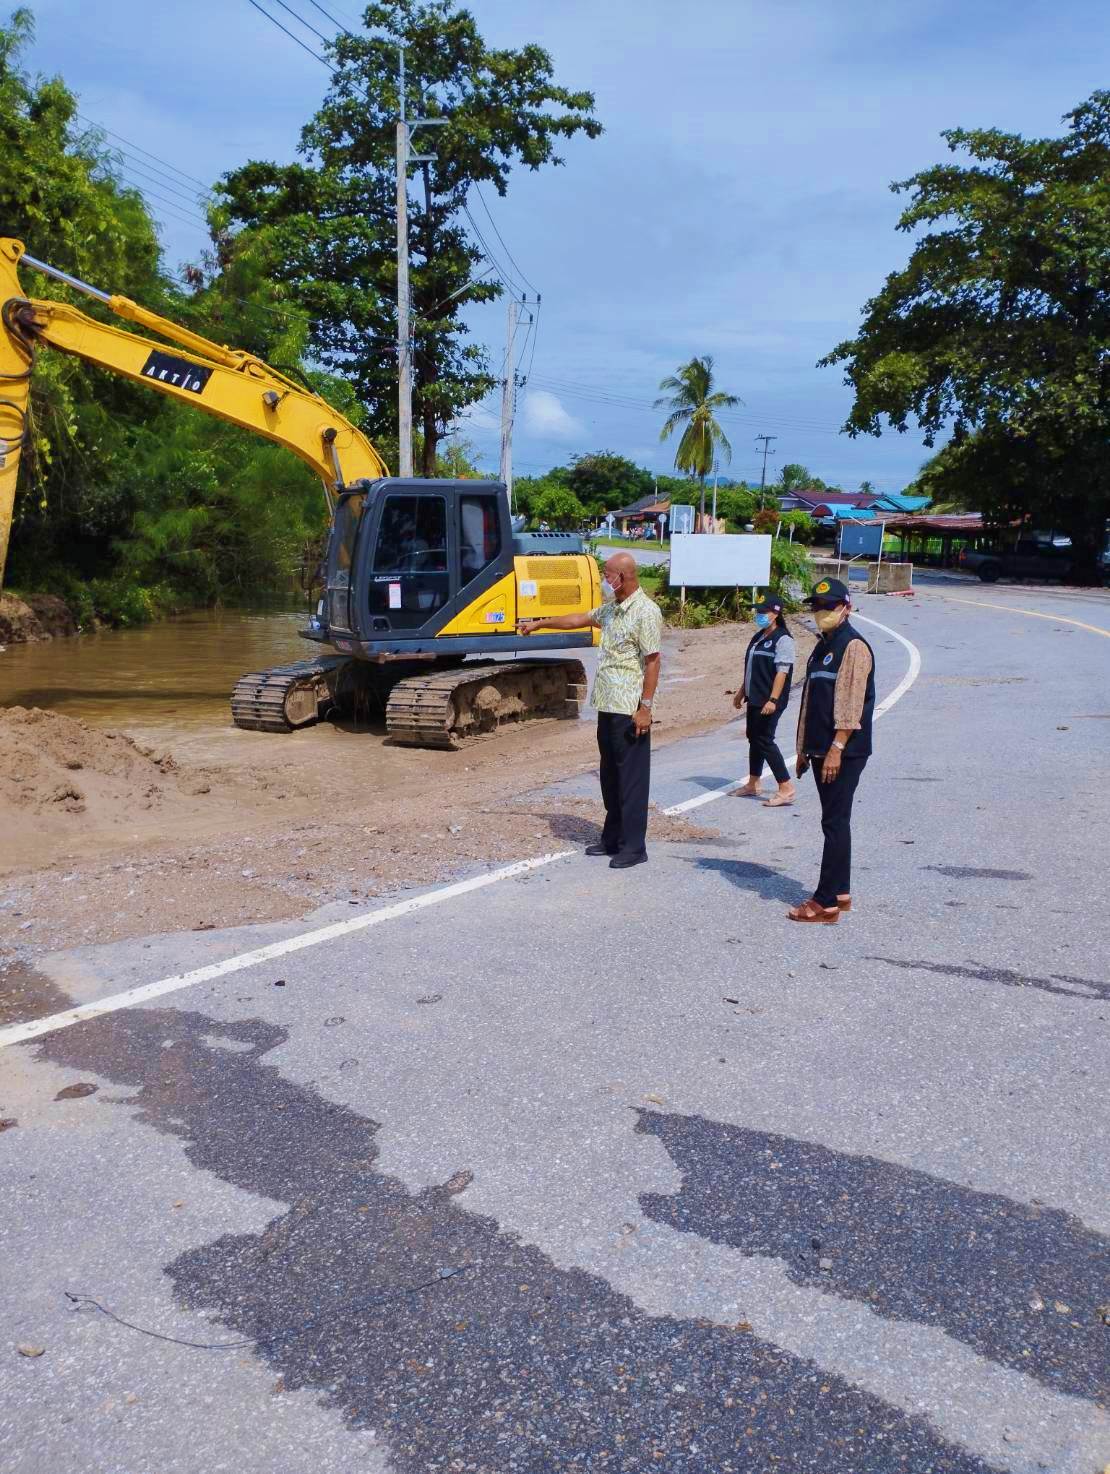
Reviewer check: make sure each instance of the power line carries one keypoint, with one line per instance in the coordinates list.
(535, 338)
(333, 20)
(318, 34)
(296, 39)
(133, 167)
(504, 276)
(624, 401)
(149, 193)
(500, 237)
(101, 128)
(177, 211)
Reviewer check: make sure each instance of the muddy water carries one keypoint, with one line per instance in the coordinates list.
(178, 673)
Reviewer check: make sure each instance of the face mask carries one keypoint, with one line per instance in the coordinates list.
(827, 620)
(762, 621)
(608, 592)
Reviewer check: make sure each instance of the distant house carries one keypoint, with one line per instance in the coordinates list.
(813, 499)
(825, 504)
(904, 506)
(647, 509)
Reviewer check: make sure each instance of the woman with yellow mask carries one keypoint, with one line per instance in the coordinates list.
(834, 737)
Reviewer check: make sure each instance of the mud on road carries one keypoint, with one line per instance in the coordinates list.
(110, 835)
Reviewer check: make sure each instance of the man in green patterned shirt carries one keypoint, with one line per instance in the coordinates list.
(631, 627)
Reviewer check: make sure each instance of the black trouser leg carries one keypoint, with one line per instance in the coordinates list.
(610, 783)
(763, 748)
(625, 782)
(836, 822)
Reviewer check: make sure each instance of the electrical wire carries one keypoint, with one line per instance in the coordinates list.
(333, 20)
(134, 167)
(173, 167)
(383, 1297)
(501, 238)
(182, 215)
(505, 276)
(289, 10)
(303, 45)
(535, 338)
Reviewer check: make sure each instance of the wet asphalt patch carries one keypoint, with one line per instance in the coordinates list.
(1063, 984)
(973, 872)
(512, 1365)
(907, 1245)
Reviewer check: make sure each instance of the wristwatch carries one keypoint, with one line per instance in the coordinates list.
(646, 701)
(838, 745)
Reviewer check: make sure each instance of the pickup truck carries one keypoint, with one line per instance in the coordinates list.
(1037, 558)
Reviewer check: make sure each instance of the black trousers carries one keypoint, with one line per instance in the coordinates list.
(836, 822)
(762, 747)
(625, 781)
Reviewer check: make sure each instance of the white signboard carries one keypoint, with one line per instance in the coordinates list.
(682, 517)
(708, 560)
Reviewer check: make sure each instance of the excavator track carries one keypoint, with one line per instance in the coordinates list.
(452, 708)
(288, 696)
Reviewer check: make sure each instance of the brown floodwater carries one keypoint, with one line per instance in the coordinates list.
(178, 673)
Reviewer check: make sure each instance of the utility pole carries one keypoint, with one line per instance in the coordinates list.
(404, 345)
(766, 452)
(714, 493)
(508, 399)
(405, 130)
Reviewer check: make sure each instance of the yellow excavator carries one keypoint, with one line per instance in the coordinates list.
(422, 576)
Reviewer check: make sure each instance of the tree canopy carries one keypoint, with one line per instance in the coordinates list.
(326, 225)
(997, 329)
(129, 503)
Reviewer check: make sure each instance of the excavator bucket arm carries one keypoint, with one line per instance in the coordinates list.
(220, 381)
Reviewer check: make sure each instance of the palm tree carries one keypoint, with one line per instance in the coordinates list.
(693, 404)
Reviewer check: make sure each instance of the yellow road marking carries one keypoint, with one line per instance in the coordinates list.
(1035, 614)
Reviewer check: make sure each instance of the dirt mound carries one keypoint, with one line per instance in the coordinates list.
(50, 764)
(38, 617)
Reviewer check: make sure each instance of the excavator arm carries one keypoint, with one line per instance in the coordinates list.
(220, 381)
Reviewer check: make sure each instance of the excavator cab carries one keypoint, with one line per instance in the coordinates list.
(411, 564)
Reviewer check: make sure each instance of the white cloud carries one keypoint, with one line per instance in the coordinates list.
(545, 417)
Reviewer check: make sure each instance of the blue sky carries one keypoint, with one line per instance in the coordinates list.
(737, 204)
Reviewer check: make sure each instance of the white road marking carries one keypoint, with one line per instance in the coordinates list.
(20, 1033)
(34, 1028)
(912, 673)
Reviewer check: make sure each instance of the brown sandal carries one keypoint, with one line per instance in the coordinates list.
(844, 902)
(813, 911)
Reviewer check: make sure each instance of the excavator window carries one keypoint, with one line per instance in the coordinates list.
(411, 570)
(412, 536)
(481, 534)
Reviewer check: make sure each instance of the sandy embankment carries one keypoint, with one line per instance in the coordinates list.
(106, 836)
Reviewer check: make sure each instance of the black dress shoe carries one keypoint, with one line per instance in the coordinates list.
(625, 862)
(599, 849)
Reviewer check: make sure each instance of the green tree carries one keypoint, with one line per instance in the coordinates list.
(604, 481)
(326, 224)
(867, 488)
(795, 477)
(60, 195)
(694, 405)
(996, 329)
(558, 506)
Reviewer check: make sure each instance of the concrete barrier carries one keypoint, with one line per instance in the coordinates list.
(890, 578)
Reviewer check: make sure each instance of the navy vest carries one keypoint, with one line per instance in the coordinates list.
(821, 673)
(763, 649)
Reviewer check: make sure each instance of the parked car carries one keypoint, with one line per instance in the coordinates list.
(1038, 558)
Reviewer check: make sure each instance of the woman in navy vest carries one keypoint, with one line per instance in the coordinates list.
(768, 670)
(834, 736)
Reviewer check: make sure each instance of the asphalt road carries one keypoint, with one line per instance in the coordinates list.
(585, 1170)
